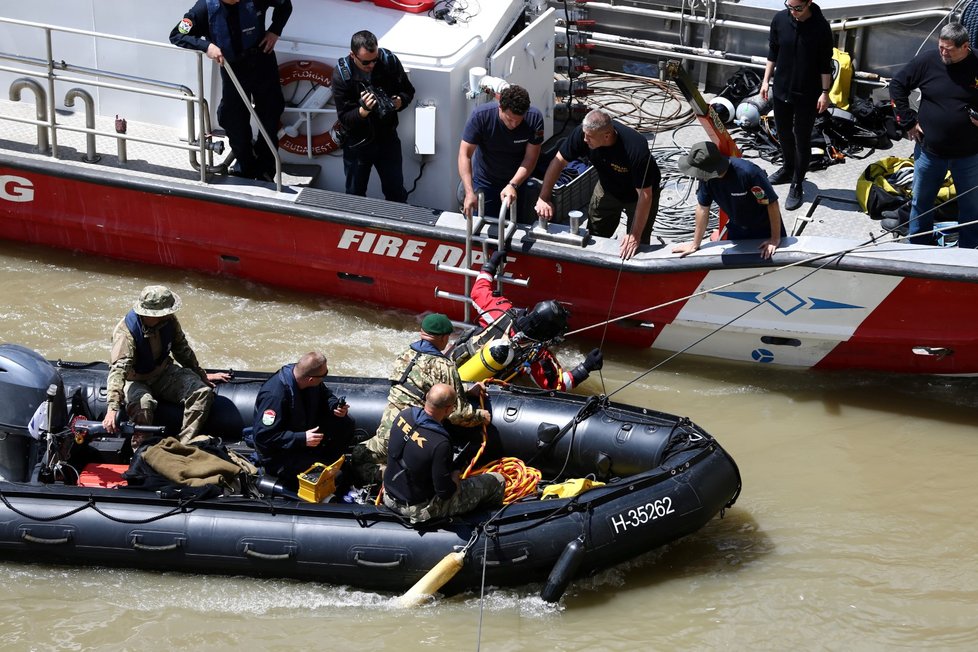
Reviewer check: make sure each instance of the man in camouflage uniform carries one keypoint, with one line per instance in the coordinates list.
(419, 368)
(144, 346)
(419, 482)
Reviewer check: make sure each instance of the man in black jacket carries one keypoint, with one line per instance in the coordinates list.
(419, 482)
(800, 48)
(299, 421)
(233, 32)
(945, 130)
(370, 87)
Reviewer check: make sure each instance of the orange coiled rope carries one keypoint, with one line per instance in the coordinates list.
(521, 480)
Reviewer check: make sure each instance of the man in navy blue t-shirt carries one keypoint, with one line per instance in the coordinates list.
(499, 149)
(741, 190)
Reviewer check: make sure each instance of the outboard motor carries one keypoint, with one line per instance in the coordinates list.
(25, 377)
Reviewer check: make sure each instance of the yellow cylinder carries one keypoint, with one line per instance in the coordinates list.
(427, 586)
(492, 358)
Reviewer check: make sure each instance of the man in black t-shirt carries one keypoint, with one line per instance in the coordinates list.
(944, 129)
(628, 179)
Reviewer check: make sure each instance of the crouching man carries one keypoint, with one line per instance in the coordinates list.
(419, 482)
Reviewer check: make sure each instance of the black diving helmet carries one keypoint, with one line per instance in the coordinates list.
(546, 321)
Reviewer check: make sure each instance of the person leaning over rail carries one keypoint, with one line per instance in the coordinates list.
(499, 150)
(419, 481)
(416, 371)
(299, 421)
(741, 190)
(370, 88)
(233, 31)
(628, 179)
(945, 130)
(142, 370)
(800, 56)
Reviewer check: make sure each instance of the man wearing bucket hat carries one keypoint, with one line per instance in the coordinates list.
(145, 345)
(416, 371)
(741, 190)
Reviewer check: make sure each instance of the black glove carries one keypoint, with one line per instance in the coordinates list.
(490, 266)
(594, 360)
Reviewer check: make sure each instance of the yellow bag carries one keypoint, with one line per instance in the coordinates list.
(841, 78)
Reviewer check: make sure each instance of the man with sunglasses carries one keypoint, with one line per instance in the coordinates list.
(233, 32)
(800, 50)
(945, 130)
(370, 88)
(299, 421)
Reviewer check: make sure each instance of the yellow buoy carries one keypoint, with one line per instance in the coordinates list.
(425, 588)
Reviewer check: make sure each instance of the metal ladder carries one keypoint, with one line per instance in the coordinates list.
(477, 231)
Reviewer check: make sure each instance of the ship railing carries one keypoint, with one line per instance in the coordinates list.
(201, 147)
(478, 231)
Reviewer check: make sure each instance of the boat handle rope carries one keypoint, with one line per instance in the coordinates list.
(27, 536)
(251, 552)
(138, 545)
(378, 564)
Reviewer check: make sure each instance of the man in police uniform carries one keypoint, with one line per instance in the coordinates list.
(233, 32)
(742, 191)
(419, 482)
(416, 371)
(145, 345)
(299, 421)
(370, 87)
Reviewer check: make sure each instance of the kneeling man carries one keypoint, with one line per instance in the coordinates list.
(419, 482)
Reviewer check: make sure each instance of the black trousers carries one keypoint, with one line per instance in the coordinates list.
(794, 122)
(258, 75)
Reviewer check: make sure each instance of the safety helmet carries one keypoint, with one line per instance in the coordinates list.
(547, 320)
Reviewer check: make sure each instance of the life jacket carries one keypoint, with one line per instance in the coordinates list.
(145, 363)
(252, 27)
(841, 78)
(887, 184)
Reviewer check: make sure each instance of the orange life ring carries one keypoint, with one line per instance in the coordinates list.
(318, 74)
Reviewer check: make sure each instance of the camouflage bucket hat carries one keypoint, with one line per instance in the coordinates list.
(156, 301)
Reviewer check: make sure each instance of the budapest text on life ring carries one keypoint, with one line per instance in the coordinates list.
(316, 73)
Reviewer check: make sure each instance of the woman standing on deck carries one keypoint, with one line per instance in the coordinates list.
(801, 49)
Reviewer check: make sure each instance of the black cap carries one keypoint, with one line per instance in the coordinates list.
(704, 162)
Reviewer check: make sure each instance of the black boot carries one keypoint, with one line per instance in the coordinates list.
(795, 197)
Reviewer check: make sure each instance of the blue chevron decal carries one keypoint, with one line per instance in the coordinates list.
(740, 296)
(825, 304)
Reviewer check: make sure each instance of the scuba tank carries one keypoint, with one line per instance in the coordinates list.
(750, 112)
(492, 358)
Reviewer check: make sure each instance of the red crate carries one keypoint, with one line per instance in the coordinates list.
(102, 475)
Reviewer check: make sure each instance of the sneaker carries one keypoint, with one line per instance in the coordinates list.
(795, 197)
(894, 225)
(779, 176)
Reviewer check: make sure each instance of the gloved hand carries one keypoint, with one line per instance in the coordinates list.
(594, 360)
(490, 266)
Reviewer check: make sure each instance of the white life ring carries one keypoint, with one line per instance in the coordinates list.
(317, 74)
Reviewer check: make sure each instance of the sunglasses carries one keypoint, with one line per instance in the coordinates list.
(367, 62)
(795, 8)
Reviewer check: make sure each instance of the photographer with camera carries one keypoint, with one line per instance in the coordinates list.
(370, 87)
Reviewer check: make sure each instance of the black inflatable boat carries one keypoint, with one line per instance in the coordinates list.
(665, 478)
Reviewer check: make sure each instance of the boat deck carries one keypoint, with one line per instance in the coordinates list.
(829, 208)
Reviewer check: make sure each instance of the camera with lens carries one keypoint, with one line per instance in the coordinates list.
(384, 105)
